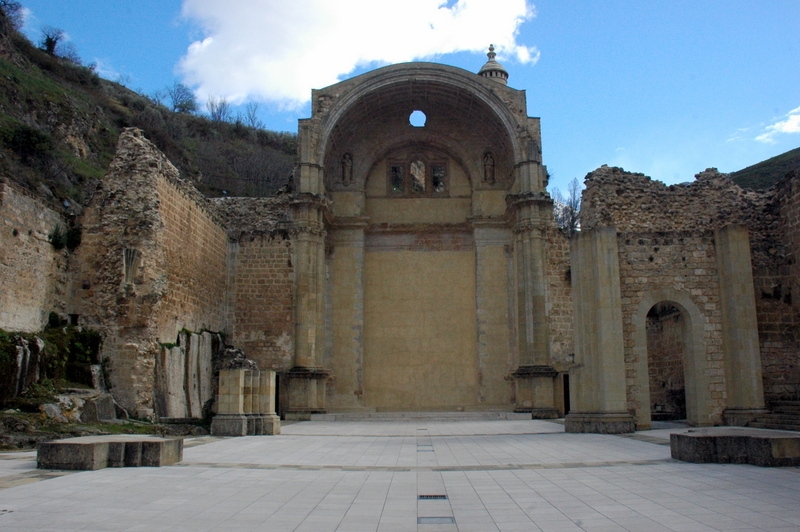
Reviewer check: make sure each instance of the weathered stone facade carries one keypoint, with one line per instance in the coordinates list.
(33, 277)
(420, 268)
(689, 248)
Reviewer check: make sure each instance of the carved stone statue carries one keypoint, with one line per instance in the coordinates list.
(347, 169)
(488, 168)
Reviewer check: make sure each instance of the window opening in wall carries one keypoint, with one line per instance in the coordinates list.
(396, 179)
(417, 176)
(417, 119)
(438, 174)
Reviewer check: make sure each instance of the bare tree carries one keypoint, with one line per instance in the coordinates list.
(159, 96)
(251, 114)
(67, 50)
(182, 98)
(567, 209)
(219, 109)
(50, 38)
(14, 12)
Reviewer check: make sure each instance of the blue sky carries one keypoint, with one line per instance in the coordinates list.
(663, 88)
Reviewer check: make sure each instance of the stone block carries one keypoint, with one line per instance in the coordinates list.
(229, 425)
(97, 452)
(765, 448)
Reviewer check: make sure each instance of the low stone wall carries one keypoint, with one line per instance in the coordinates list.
(33, 276)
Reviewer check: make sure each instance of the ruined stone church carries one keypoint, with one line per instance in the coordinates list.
(418, 267)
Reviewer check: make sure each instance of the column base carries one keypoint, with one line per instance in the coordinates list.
(741, 417)
(600, 423)
(270, 425)
(538, 413)
(229, 425)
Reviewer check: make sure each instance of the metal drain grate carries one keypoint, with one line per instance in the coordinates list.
(435, 521)
(433, 497)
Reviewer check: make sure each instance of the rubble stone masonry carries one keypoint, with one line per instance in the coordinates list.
(33, 274)
(666, 238)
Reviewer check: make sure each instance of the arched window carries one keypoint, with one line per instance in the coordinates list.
(416, 176)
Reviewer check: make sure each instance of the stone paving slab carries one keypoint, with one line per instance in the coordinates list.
(501, 479)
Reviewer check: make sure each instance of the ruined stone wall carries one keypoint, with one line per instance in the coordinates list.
(559, 299)
(777, 291)
(684, 264)
(262, 317)
(153, 261)
(195, 251)
(32, 273)
(633, 202)
(261, 276)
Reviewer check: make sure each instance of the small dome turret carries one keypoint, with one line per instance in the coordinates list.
(492, 69)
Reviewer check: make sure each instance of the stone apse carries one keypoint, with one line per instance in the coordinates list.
(420, 249)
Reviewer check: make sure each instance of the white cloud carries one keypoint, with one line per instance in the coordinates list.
(790, 124)
(278, 50)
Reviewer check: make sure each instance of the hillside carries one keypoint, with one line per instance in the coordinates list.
(59, 124)
(766, 173)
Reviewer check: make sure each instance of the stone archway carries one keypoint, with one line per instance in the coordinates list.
(696, 382)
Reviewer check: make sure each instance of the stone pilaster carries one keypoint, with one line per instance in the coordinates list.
(597, 381)
(745, 389)
(346, 359)
(534, 375)
(492, 242)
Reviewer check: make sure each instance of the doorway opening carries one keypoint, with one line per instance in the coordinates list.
(666, 355)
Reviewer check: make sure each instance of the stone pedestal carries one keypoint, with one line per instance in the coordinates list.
(303, 392)
(245, 404)
(229, 425)
(534, 391)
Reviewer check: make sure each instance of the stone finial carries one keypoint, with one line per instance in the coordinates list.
(492, 69)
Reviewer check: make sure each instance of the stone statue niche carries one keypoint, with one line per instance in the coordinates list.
(347, 169)
(488, 168)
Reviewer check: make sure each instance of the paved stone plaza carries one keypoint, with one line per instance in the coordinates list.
(408, 474)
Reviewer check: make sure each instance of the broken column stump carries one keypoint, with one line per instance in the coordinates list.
(245, 404)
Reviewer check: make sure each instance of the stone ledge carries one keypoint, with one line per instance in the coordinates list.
(97, 452)
(760, 447)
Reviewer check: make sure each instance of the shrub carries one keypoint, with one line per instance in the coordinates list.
(58, 238)
(30, 144)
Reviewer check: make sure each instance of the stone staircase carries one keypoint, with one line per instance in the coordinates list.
(784, 415)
